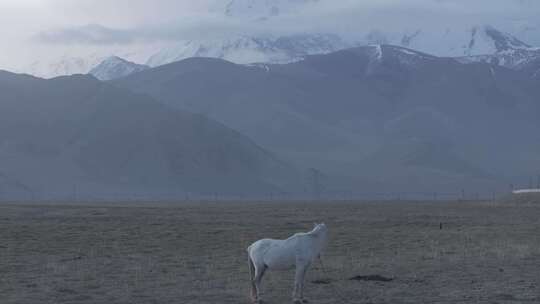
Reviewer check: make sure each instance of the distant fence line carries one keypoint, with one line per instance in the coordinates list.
(271, 196)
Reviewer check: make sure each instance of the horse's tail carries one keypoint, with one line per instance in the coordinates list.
(251, 273)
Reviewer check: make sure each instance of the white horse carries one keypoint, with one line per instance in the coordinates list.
(300, 251)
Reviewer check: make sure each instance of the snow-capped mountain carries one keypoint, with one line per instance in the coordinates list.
(75, 61)
(509, 52)
(450, 42)
(241, 49)
(471, 43)
(65, 65)
(115, 67)
(477, 44)
(251, 49)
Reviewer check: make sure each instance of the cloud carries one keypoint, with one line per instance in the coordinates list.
(125, 22)
(56, 26)
(188, 28)
(89, 34)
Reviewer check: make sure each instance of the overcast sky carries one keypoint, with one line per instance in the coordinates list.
(31, 29)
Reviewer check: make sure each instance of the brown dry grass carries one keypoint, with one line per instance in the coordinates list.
(195, 252)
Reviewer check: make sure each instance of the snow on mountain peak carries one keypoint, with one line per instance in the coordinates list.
(504, 41)
(507, 51)
(397, 55)
(65, 65)
(115, 67)
(452, 42)
(251, 49)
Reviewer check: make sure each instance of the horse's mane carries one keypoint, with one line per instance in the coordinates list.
(299, 234)
(315, 232)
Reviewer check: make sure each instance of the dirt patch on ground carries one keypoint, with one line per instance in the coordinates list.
(372, 277)
(322, 281)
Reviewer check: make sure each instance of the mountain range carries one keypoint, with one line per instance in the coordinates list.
(77, 137)
(509, 46)
(368, 119)
(379, 113)
(478, 43)
(427, 110)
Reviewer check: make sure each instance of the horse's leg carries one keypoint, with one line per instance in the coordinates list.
(298, 281)
(252, 278)
(302, 284)
(259, 273)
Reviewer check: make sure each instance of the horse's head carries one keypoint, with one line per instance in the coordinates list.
(320, 232)
(320, 228)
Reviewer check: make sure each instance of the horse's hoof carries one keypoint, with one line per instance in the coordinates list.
(305, 301)
(297, 301)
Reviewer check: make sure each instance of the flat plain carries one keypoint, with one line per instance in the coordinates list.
(433, 252)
